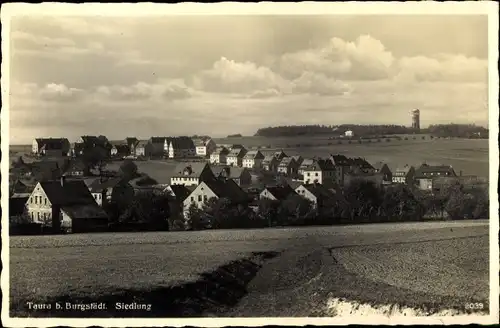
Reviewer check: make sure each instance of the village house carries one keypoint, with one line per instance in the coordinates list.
(189, 174)
(319, 195)
(114, 189)
(180, 147)
(382, 168)
(131, 142)
(176, 195)
(51, 147)
(219, 156)
(204, 146)
(65, 205)
(298, 159)
(321, 171)
(306, 162)
(280, 155)
(45, 170)
(359, 164)
(253, 159)
(270, 163)
(241, 176)
(158, 147)
(342, 166)
(142, 149)
(217, 189)
(235, 156)
(404, 175)
(20, 187)
(288, 167)
(349, 134)
(425, 174)
(120, 150)
(90, 142)
(356, 175)
(278, 193)
(76, 168)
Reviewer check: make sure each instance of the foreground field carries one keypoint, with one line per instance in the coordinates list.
(382, 263)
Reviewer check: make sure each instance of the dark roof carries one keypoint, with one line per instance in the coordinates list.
(404, 169)
(156, 140)
(254, 154)
(76, 165)
(227, 189)
(52, 143)
(237, 152)
(378, 166)
(320, 191)
(320, 164)
(189, 169)
(69, 193)
(286, 161)
(122, 148)
(181, 142)
(340, 160)
(221, 150)
(99, 186)
(281, 192)
(361, 163)
(181, 192)
(85, 211)
(269, 159)
(17, 205)
(131, 141)
(425, 170)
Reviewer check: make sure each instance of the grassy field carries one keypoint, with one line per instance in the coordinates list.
(146, 266)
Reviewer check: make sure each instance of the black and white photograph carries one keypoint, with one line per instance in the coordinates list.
(307, 163)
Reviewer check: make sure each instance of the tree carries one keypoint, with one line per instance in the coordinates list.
(129, 170)
(94, 157)
(268, 210)
(363, 198)
(296, 209)
(148, 208)
(195, 218)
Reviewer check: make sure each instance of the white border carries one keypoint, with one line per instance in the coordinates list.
(488, 8)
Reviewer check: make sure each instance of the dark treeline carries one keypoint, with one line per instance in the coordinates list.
(458, 131)
(440, 130)
(361, 202)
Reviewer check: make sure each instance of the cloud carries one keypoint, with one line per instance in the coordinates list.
(51, 92)
(229, 76)
(444, 67)
(319, 84)
(364, 59)
(21, 38)
(162, 90)
(269, 93)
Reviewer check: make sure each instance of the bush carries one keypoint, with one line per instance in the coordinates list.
(387, 140)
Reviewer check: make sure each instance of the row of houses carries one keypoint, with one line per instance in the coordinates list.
(164, 147)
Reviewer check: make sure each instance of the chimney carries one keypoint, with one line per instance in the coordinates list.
(63, 180)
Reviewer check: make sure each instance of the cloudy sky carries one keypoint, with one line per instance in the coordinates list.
(216, 75)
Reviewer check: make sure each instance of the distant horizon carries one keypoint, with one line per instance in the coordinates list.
(74, 75)
(242, 135)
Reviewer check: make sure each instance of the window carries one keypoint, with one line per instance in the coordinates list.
(199, 198)
(192, 198)
(38, 215)
(308, 174)
(205, 197)
(31, 200)
(45, 201)
(316, 174)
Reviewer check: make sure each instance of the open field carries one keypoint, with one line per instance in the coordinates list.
(307, 266)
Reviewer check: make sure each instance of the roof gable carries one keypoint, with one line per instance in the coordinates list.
(280, 192)
(189, 169)
(68, 193)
